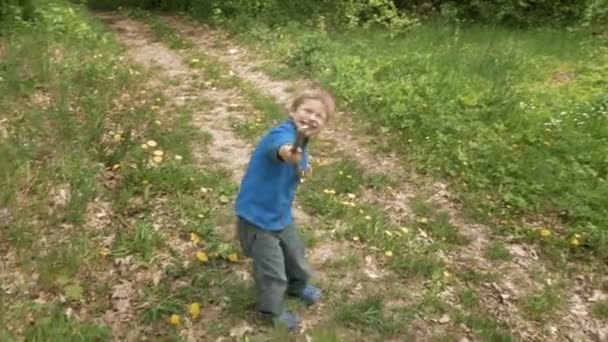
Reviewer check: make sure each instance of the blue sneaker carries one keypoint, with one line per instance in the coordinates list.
(310, 295)
(288, 319)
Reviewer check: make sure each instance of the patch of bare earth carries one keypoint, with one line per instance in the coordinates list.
(502, 297)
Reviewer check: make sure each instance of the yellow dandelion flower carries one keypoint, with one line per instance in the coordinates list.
(117, 138)
(195, 238)
(202, 256)
(159, 153)
(348, 204)
(104, 252)
(151, 143)
(575, 242)
(175, 320)
(233, 257)
(545, 232)
(115, 167)
(195, 311)
(446, 274)
(157, 159)
(388, 254)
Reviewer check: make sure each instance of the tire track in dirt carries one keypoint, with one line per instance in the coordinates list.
(501, 297)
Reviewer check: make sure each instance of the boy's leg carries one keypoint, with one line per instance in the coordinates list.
(245, 231)
(268, 271)
(296, 267)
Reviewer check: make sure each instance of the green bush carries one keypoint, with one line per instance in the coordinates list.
(515, 12)
(596, 13)
(11, 9)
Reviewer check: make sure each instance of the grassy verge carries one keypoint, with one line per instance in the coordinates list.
(99, 191)
(517, 119)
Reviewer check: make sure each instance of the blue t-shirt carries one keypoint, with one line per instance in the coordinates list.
(268, 188)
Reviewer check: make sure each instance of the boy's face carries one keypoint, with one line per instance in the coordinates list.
(311, 113)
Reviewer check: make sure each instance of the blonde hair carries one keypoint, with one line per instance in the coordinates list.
(315, 94)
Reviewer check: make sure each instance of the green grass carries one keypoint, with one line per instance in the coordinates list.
(600, 309)
(368, 314)
(542, 304)
(52, 324)
(150, 202)
(472, 276)
(142, 241)
(497, 251)
(417, 263)
(437, 223)
(468, 298)
(486, 328)
(84, 198)
(161, 303)
(516, 115)
(482, 325)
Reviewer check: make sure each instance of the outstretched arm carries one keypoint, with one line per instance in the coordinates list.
(290, 154)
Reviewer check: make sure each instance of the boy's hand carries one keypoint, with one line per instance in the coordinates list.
(290, 154)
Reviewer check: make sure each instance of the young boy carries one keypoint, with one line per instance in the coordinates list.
(263, 207)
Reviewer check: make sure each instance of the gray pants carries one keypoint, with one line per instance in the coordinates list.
(279, 265)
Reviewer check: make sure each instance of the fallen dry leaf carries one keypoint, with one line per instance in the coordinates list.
(202, 256)
(444, 319)
(195, 238)
(233, 257)
(240, 331)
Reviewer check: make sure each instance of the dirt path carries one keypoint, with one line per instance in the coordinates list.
(183, 84)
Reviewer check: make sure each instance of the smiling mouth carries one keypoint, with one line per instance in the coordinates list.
(306, 124)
